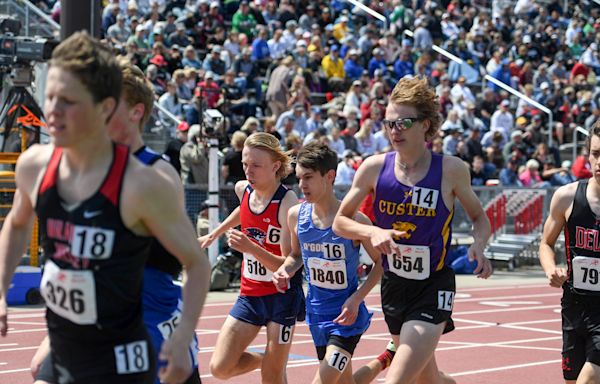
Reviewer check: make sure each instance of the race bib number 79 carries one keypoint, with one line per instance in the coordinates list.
(586, 273)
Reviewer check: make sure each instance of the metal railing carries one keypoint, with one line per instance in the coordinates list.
(34, 21)
(459, 61)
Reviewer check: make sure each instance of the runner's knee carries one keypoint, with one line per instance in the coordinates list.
(220, 369)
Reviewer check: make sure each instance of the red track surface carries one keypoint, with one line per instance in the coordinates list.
(503, 335)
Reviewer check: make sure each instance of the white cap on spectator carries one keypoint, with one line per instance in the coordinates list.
(526, 39)
(544, 85)
(445, 15)
(505, 103)
(140, 28)
(209, 75)
(353, 52)
(306, 35)
(343, 19)
(594, 46)
(214, 4)
(566, 164)
(300, 43)
(516, 133)
(519, 62)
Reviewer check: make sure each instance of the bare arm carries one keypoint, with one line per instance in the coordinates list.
(346, 226)
(351, 306)
(561, 201)
(293, 262)
(16, 229)
(461, 179)
(233, 220)
(149, 199)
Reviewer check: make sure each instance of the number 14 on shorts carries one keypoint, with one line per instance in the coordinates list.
(445, 300)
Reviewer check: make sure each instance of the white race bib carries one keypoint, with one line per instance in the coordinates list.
(425, 197)
(70, 294)
(330, 274)
(586, 273)
(410, 261)
(254, 270)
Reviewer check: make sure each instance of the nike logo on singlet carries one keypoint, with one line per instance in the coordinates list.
(91, 214)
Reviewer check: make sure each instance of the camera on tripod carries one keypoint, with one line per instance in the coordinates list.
(212, 119)
(16, 49)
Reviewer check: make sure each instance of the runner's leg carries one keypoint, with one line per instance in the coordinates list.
(279, 342)
(414, 348)
(590, 374)
(230, 358)
(336, 367)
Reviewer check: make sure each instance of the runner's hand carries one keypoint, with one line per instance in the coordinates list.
(484, 266)
(3, 316)
(175, 351)
(349, 312)
(281, 279)
(240, 242)
(557, 277)
(383, 239)
(206, 240)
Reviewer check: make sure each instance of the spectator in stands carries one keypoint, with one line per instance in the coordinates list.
(365, 139)
(173, 148)
(298, 117)
(314, 121)
(422, 36)
(333, 68)
(232, 170)
(278, 91)
(405, 66)
(453, 136)
(508, 175)
(118, 33)
(245, 68)
(190, 58)
(194, 170)
(478, 175)
(502, 120)
(299, 95)
(110, 17)
(170, 101)
(530, 176)
(209, 90)
(139, 39)
(214, 64)
(243, 21)
(352, 68)
(473, 144)
(515, 143)
(345, 170)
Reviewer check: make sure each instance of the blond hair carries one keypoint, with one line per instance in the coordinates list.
(417, 93)
(136, 89)
(270, 144)
(237, 139)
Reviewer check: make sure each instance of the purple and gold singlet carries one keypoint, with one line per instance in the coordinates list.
(419, 211)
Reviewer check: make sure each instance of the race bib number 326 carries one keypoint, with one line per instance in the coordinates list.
(70, 294)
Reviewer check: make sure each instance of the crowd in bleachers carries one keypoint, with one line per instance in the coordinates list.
(322, 70)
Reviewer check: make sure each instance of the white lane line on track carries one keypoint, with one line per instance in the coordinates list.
(505, 368)
(14, 370)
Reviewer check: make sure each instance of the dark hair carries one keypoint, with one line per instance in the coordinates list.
(594, 131)
(92, 63)
(318, 157)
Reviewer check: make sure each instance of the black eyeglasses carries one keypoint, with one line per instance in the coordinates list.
(401, 124)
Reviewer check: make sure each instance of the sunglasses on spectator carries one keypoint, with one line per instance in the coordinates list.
(401, 124)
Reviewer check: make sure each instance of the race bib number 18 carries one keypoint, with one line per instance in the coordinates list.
(70, 294)
(586, 273)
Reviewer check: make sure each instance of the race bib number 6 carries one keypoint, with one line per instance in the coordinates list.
(586, 273)
(70, 294)
(410, 262)
(253, 269)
